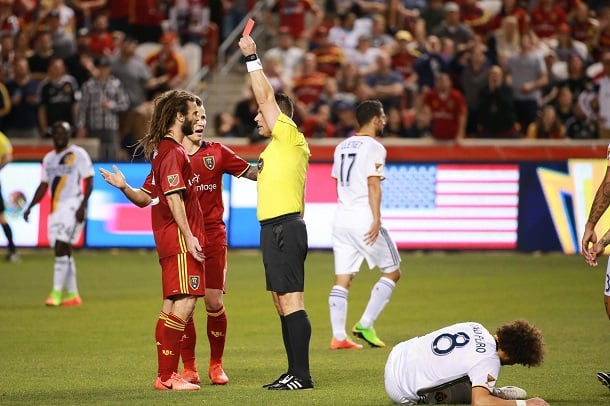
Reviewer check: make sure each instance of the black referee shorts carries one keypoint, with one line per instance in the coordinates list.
(284, 247)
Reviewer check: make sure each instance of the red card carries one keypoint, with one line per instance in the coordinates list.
(248, 28)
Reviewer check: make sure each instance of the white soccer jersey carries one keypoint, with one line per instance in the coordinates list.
(355, 160)
(446, 355)
(64, 173)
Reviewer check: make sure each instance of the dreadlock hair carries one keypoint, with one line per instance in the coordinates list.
(165, 108)
(521, 342)
(367, 110)
(285, 104)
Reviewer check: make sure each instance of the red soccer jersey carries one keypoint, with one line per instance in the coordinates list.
(172, 173)
(445, 113)
(329, 59)
(402, 62)
(209, 163)
(308, 89)
(544, 23)
(293, 12)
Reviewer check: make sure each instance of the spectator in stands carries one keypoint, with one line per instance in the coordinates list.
(509, 8)
(190, 20)
(59, 96)
(67, 16)
(22, 120)
(564, 104)
(307, 87)
(447, 108)
(41, 58)
(579, 127)
(474, 77)
(404, 13)
(422, 125)
(547, 126)
(145, 18)
(64, 43)
(345, 34)
(567, 46)
(293, 14)
(9, 22)
(349, 79)
(402, 60)
(505, 42)
(379, 37)
(224, 125)
(117, 15)
(602, 43)
(81, 63)
(86, 10)
(364, 55)
(585, 28)
(429, 64)
(602, 100)
(329, 57)
(347, 124)
(274, 71)
(452, 27)
(103, 99)
(166, 64)
(527, 76)
(22, 45)
(101, 41)
(546, 18)
(395, 124)
(318, 125)
(245, 111)
(384, 84)
(136, 125)
(497, 115)
(433, 15)
(290, 55)
(133, 73)
(7, 56)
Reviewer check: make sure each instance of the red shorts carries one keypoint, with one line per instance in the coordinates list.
(182, 274)
(216, 266)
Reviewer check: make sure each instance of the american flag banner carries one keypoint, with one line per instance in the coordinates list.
(465, 206)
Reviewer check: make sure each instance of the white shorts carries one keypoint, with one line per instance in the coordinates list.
(62, 223)
(350, 250)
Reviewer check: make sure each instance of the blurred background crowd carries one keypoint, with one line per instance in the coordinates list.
(444, 70)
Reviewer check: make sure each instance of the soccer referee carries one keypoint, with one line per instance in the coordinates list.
(282, 170)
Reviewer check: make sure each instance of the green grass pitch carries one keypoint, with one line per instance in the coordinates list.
(103, 353)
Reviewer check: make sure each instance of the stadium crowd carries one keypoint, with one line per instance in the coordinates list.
(442, 69)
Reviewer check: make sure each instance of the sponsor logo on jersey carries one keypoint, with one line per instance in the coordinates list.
(173, 180)
(209, 162)
(194, 281)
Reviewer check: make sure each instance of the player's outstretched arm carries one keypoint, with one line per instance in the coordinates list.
(117, 179)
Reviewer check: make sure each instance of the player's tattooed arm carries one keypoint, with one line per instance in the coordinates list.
(600, 202)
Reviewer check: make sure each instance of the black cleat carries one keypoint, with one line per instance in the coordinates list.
(604, 378)
(291, 382)
(281, 377)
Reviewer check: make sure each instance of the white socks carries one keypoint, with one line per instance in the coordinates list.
(337, 303)
(60, 272)
(380, 296)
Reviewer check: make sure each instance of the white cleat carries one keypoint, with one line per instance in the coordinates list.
(510, 393)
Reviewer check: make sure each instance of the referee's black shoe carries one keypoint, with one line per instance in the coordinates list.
(291, 382)
(604, 378)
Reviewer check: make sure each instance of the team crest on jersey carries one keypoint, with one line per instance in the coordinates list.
(194, 281)
(173, 180)
(209, 162)
(260, 164)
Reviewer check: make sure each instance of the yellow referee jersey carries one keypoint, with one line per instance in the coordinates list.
(282, 171)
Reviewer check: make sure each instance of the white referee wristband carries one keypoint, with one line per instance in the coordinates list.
(521, 402)
(254, 65)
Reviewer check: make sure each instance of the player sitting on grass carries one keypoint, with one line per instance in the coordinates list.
(461, 364)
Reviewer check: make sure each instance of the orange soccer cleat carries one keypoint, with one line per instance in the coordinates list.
(346, 344)
(190, 376)
(217, 374)
(175, 382)
(73, 300)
